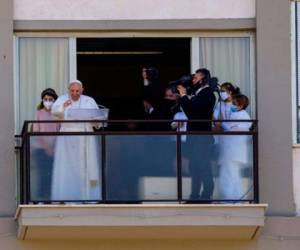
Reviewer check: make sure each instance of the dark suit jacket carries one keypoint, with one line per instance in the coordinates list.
(199, 107)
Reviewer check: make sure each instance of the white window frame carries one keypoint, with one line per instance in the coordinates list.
(72, 58)
(72, 69)
(16, 83)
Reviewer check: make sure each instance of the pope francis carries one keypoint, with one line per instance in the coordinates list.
(76, 169)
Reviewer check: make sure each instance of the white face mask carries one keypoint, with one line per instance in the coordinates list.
(48, 104)
(224, 95)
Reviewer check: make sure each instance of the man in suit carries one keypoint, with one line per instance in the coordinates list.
(199, 106)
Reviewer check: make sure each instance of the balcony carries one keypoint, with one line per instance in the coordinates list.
(133, 181)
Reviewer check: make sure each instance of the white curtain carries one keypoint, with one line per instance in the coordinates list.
(229, 59)
(43, 63)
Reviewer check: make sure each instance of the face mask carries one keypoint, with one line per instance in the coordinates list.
(234, 108)
(48, 104)
(224, 95)
(169, 102)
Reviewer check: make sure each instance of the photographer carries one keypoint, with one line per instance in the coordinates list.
(199, 105)
(152, 92)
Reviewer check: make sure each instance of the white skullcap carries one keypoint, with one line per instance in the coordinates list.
(76, 81)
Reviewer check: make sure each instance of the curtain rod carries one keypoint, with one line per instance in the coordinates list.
(119, 52)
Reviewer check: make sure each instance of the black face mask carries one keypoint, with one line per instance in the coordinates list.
(195, 86)
(169, 103)
(171, 106)
(198, 85)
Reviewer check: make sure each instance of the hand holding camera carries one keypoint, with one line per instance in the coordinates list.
(182, 90)
(185, 81)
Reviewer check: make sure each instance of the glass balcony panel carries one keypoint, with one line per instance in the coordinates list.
(65, 168)
(217, 168)
(141, 167)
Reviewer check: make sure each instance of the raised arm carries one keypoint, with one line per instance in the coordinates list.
(58, 108)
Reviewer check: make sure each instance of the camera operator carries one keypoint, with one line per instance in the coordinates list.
(199, 105)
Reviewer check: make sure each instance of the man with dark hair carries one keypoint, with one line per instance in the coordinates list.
(151, 90)
(199, 106)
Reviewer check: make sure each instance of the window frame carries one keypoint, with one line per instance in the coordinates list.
(195, 62)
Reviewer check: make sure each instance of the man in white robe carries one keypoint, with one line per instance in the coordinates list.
(76, 170)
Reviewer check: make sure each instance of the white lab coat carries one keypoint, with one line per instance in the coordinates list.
(77, 158)
(222, 110)
(235, 152)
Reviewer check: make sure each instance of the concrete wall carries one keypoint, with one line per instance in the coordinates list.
(274, 106)
(274, 114)
(124, 9)
(7, 173)
(279, 233)
(296, 175)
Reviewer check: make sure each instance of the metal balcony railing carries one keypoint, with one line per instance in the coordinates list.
(133, 161)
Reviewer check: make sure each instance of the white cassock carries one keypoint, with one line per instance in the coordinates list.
(235, 153)
(77, 158)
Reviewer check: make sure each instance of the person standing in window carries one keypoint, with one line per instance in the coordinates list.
(42, 148)
(76, 171)
(199, 106)
(223, 108)
(151, 90)
(222, 111)
(235, 152)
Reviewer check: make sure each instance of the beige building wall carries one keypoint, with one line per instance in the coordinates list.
(278, 161)
(279, 234)
(7, 166)
(124, 9)
(274, 106)
(296, 174)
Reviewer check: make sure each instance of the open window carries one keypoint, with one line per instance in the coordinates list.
(110, 68)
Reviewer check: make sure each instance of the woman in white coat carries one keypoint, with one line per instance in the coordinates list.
(76, 170)
(222, 110)
(235, 151)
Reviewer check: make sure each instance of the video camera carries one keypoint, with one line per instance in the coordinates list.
(186, 81)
